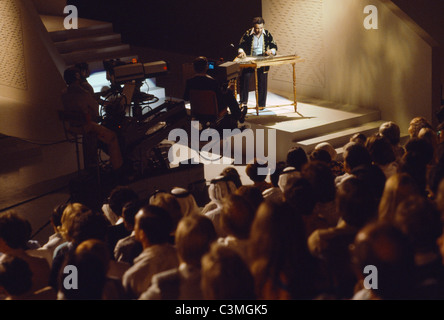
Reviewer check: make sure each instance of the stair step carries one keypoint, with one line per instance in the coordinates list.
(339, 138)
(93, 30)
(340, 124)
(85, 43)
(97, 54)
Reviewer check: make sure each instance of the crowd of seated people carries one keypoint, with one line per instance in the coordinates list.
(314, 229)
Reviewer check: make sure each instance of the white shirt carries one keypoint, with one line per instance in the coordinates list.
(152, 260)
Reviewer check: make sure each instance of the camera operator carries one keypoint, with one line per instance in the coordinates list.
(76, 99)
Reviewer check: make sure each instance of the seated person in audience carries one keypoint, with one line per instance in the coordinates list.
(274, 192)
(252, 195)
(419, 219)
(152, 229)
(322, 181)
(416, 124)
(203, 81)
(296, 158)
(287, 177)
(194, 236)
(355, 155)
(79, 223)
(337, 167)
(387, 249)
(252, 171)
(391, 131)
(187, 202)
(56, 238)
(76, 99)
(118, 197)
(219, 188)
(357, 207)
(92, 260)
(15, 231)
(278, 256)
(236, 218)
(170, 203)
(16, 282)
(232, 174)
(358, 138)
(382, 154)
(128, 248)
(225, 275)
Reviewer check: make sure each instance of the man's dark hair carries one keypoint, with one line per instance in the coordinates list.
(70, 75)
(119, 196)
(14, 230)
(200, 64)
(258, 20)
(156, 223)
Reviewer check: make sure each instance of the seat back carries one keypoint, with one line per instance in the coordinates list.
(73, 123)
(204, 105)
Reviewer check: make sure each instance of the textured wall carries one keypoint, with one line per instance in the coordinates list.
(298, 29)
(392, 69)
(30, 75)
(12, 55)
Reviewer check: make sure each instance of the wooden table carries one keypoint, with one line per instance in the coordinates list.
(268, 61)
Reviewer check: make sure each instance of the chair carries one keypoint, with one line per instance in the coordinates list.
(205, 109)
(73, 123)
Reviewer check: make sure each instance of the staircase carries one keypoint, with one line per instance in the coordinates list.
(93, 42)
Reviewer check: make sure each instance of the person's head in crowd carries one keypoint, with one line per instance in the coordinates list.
(380, 150)
(232, 174)
(300, 196)
(327, 146)
(420, 220)
(168, 202)
(355, 154)
(225, 275)
(279, 259)
(200, 64)
(391, 131)
(72, 75)
(219, 188)
(119, 196)
(56, 216)
(252, 195)
(194, 236)
(274, 177)
(71, 211)
(91, 260)
(417, 157)
(397, 188)
(129, 212)
(152, 226)
(355, 202)
(187, 202)
(252, 171)
(320, 155)
(287, 177)
(373, 176)
(430, 136)
(321, 178)
(15, 232)
(296, 158)
(358, 138)
(87, 225)
(416, 124)
(15, 278)
(386, 248)
(237, 216)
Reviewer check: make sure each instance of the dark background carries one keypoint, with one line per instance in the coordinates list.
(194, 27)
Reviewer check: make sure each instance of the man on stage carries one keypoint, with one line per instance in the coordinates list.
(256, 41)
